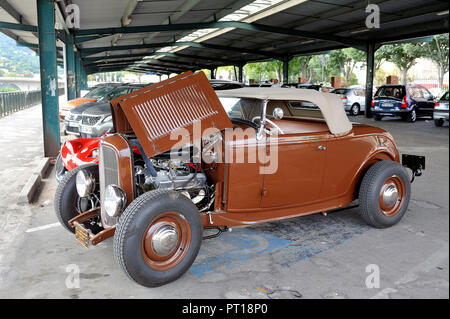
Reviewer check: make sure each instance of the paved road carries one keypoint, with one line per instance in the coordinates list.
(316, 256)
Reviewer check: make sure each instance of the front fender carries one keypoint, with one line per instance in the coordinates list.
(79, 152)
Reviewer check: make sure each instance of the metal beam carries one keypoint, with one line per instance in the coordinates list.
(90, 51)
(49, 77)
(111, 57)
(219, 25)
(17, 26)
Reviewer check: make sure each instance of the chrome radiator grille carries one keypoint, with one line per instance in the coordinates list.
(90, 120)
(108, 171)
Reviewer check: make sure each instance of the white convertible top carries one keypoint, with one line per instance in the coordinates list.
(330, 104)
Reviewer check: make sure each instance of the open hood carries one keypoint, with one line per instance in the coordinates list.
(161, 113)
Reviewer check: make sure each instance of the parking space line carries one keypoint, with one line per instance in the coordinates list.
(30, 230)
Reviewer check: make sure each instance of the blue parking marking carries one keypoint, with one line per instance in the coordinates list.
(233, 248)
(287, 241)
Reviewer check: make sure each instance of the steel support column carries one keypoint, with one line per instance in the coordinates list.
(70, 58)
(370, 57)
(49, 77)
(241, 73)
(77, 74)
(286, 70)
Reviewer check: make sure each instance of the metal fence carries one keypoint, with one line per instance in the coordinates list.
(11, 102)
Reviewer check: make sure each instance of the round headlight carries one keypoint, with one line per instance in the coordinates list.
(85, 183)
(115, 200)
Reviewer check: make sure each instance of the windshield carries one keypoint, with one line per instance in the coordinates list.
(115, 93)
(241, 108)
(397, 92)
(98, 92)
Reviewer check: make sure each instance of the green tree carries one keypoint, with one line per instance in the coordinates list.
(403, 55)
(345, 61)
(438, 51)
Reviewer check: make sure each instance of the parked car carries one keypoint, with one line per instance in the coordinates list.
(316, 87)
(440, 114)
(92, 96)
(74, 119)
(156, 205)
(225, 84)
(408, 102)
(354, 99)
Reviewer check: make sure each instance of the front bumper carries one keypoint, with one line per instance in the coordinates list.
(97, 130)
(72, 127)
(84, 235)
(388, 112)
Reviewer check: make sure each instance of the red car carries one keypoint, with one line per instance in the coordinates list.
(79, 152)
(74, 153)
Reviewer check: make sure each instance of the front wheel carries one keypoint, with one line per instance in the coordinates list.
(354, 110)
(69, 204)
(158, 237)
(384, 194)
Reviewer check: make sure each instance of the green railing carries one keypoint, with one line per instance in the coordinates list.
(11, 102)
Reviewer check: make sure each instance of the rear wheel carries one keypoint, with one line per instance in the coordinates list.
(439, 122)
(158, 237)
(411, 117)
(384, 194)
(354, 110)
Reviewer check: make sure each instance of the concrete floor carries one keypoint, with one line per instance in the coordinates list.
(312, 256)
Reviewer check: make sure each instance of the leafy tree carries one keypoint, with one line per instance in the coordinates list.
(438, 51)
(299, 67)
(404, 56)
(344, 62)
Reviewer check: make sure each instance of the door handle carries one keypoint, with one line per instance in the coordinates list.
(321, 148)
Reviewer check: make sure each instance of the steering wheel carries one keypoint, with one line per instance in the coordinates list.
(270, 122)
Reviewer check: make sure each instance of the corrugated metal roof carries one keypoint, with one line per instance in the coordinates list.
(330, 18)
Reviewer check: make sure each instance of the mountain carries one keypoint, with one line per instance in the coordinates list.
(16, 60)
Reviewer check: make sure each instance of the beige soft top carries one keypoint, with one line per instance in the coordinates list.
(330, 104)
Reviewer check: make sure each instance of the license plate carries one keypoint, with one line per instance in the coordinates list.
(74, 124)
(387, 105)
(82, 235)
(86, 130)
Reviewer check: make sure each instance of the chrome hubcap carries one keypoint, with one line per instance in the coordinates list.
(390, 195)
(164, 240)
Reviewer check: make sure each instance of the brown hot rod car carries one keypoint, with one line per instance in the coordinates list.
(214, 160)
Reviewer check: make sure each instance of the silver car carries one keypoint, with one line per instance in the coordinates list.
(354, 99)
(97, 120)
(440, 114)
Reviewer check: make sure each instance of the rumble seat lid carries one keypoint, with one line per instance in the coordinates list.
(160, 113)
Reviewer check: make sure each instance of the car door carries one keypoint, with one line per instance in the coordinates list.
(427, 105)
(297, 179)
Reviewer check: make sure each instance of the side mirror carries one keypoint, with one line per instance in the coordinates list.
(278, 113)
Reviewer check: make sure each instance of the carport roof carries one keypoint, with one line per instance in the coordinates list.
(150, 35)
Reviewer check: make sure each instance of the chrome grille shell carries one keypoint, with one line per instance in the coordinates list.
(115, 167)
(109, 174)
